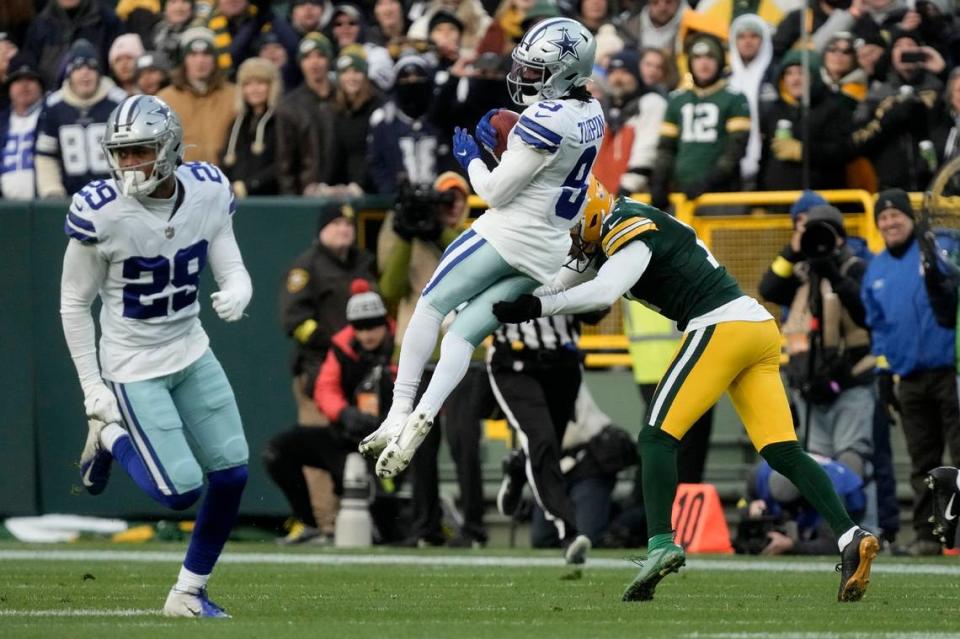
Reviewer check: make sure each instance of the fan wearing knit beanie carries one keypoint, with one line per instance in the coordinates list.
(249, 159)
(123, 61)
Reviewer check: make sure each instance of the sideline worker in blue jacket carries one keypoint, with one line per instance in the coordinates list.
(905, 333)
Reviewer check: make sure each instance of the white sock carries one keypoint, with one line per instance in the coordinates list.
(958, 481)
(190, 581)
(846, 538)
(455, 355)
(418, 344)
(110, 434)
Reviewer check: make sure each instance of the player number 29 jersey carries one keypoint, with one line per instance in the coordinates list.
(149, 318)
(683, 279)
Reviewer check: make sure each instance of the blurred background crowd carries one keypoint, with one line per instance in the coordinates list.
(339, 100)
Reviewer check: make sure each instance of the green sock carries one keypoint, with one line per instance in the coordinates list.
(660, 541)
(788, 459)
(658, 457)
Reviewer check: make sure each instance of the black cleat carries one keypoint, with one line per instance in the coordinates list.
(946, 504)
(511, 488)
(854, 566)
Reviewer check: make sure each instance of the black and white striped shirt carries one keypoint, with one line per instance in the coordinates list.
(544, 333)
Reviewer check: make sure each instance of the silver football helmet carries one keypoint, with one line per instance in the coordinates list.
(143, 120)
(552, 58)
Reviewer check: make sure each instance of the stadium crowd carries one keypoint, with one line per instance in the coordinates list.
(339, 100)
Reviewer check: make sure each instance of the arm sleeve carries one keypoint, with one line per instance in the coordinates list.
(568, 278)
(84, 272)
(327, 393)
(873, 318)
(847, 288)
(517, 167)
(227, 263)
(779, 284)
(615, 277)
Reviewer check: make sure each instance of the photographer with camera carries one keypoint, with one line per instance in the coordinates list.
(776, 520)
(830, 371)
(425, 220)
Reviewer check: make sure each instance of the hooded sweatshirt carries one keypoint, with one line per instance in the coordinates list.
(748, 78)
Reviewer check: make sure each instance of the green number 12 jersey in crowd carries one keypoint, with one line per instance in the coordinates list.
(683, 280)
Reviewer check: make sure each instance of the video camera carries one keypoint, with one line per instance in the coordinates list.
(819, 239)
(417, 211)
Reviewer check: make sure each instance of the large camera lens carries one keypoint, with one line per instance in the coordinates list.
(819, 239)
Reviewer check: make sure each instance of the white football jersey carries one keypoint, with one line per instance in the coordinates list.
(149, 318)
(532, 230)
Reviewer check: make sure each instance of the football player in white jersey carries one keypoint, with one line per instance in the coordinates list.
(161, 406)
(536, 195)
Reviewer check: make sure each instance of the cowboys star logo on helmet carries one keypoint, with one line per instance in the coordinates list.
(567, 45)
(553, 58)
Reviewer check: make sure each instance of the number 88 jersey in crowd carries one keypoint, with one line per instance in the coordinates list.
(154, 252)
(530, 229)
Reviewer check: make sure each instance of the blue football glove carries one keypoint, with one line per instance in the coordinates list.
(465, 148)
(486, 134)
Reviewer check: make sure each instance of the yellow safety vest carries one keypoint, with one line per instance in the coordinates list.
(653, 340)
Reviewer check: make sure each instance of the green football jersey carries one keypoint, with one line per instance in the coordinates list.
(701, 120)
(683, 280)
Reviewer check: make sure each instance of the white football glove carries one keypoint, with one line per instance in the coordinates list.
(101, 405)
(228, 305)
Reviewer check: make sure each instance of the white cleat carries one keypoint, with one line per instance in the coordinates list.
(576, 553)
(181, 603)
(374, 443)
(400, 450)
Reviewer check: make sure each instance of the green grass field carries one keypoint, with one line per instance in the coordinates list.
(104, 591)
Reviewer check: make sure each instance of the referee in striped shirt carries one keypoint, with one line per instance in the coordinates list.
(535, 374)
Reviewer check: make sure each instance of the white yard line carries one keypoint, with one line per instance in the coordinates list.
(80, 612)
(820, 635)
(324, 559)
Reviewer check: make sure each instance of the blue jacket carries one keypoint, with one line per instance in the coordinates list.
(902, 325)
(846, 483)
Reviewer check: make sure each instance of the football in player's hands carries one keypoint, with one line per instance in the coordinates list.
(502, 121)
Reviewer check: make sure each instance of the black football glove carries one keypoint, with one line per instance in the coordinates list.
(357, 425)
(525, 307)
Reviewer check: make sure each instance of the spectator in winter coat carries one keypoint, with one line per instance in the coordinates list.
(249, 160)
(406, 117)
(655, 25)
(840, 71)
(909, 340)
(177, 17)
(894, 118)
(470, 13)
(751, 52)
(945, 128)
(826, 18)
(236, 24)
(633, 116)
(63, 22)
(304, 120)
(202, 97)
(72, 124)
(704, 132)
(781, 162)
(354, 389)
(123, 61)
(18, 129)
(355, 102)
(152, 72)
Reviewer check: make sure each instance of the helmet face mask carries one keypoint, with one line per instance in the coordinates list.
(143, 121)
(554, 57)
(586, 235)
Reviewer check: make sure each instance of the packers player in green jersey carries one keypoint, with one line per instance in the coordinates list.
(730, 344)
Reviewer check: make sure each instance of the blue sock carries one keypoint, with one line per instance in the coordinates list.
(218, 513)
(126, 455)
